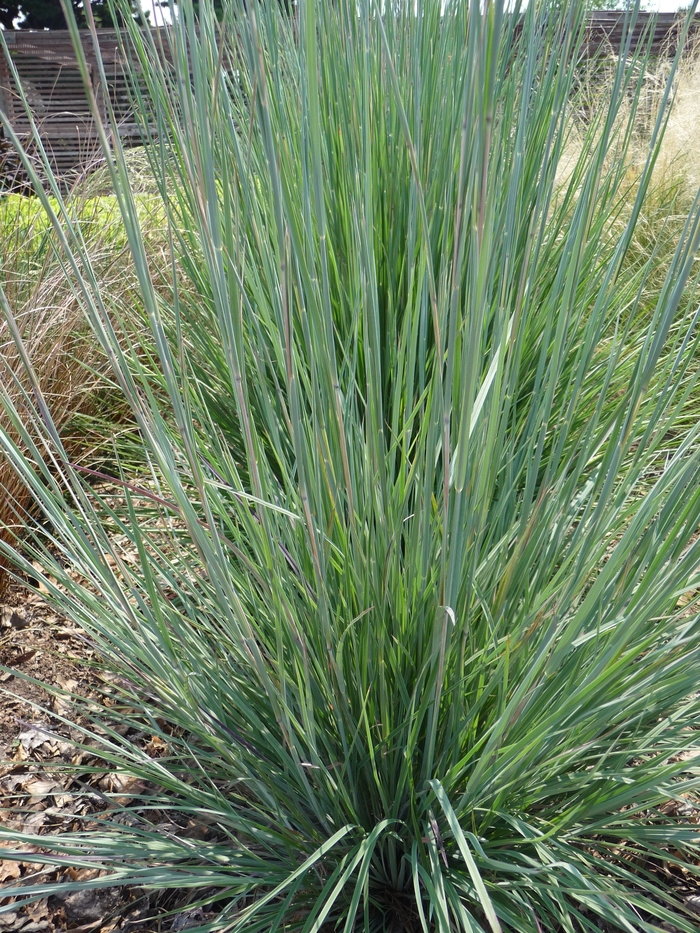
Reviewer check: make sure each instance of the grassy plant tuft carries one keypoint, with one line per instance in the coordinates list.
(412, 603)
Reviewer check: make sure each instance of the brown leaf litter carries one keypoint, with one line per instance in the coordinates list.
(38, 796)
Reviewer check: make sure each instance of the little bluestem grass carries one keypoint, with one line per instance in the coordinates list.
(405, 610)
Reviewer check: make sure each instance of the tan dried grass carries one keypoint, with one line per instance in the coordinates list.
(678, 162)
(680, 152)
(69, 366)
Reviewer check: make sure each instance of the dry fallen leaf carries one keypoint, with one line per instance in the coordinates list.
(156, 747)
(62, 704)
(9, 870)
(38, 788)
(25, 656)
(35, 822)
(10, 618)
(33, 737)
(125, 785)
(39, 910)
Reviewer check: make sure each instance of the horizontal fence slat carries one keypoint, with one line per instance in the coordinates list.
(53, 88)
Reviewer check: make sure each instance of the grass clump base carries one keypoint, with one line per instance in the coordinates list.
(410, 609)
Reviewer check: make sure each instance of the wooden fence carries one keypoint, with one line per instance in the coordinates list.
(607, 29)
(48, 72)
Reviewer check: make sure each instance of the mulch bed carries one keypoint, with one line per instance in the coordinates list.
(37, 796)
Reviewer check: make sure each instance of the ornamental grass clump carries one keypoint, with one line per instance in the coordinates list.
(410, 601)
